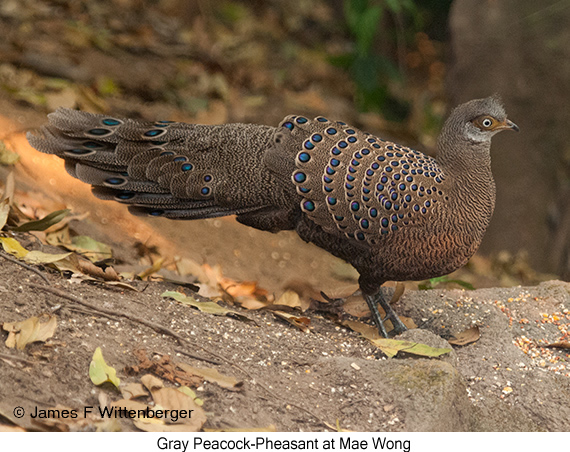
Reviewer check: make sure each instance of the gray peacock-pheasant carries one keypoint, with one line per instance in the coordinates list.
(392, 212)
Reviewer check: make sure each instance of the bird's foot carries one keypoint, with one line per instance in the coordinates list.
(372, 301)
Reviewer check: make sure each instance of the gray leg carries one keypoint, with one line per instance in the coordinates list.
(372, 301)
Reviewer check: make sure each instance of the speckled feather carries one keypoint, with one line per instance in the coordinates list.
(394, 213)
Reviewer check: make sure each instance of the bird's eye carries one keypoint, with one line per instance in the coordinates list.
(485, 122)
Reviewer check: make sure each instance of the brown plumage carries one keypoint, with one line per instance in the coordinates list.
(392, 212)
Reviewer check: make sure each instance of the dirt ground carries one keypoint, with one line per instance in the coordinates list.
(294, 380)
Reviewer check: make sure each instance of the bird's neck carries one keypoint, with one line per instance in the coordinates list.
(467, 167)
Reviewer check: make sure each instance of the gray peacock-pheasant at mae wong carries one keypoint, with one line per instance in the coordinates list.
(392, 212)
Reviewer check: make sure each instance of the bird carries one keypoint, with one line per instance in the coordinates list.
(393, 212)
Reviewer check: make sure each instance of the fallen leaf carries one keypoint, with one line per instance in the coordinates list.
(39, 257)
(4, 211)
(13, 247)
(253, 304)
(300, 322)
(371, 332)
(60, 237)
(87, 269)
(212, 375)
(468, 336)
(100, 372)
(121, 284)
(30, 330)
(367, 331)
(90, 248)
(390, 347)
(133, 391)
(9, 188)
(172, 399)
(44, 223)
(151, 382)
(291, 299)
(398, 292)
(191, 416)
(208, 307)
(190, 393)
(156, 266)
(238, 289)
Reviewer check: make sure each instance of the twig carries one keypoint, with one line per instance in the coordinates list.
(16, 358)
(21, 264)
(199, 358)
(100, 310)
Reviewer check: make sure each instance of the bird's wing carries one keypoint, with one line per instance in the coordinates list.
(354, 183)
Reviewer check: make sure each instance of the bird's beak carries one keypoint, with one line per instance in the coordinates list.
(508, 125)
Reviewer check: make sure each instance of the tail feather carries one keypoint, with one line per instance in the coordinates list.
(175, 170)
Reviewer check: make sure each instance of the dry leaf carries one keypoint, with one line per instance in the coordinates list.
(151, 382)
(468, 336)
(208, 307)
(238, 289)
(192, 417)
(4, 211)
(39, 257)
(253, 304)
(213, 376)
(390, 347)
(398, 292)
(371, 332)
(30, 330)
(77, 264)
(133, 391)
(367, 331)
(300, 322)
(289, 298)
(9, 188)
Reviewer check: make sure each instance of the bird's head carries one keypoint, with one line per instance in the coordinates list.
(478, 120)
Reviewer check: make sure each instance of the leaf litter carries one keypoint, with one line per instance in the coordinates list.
(31, 330)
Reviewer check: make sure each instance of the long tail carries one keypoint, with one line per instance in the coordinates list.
(174, 170)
